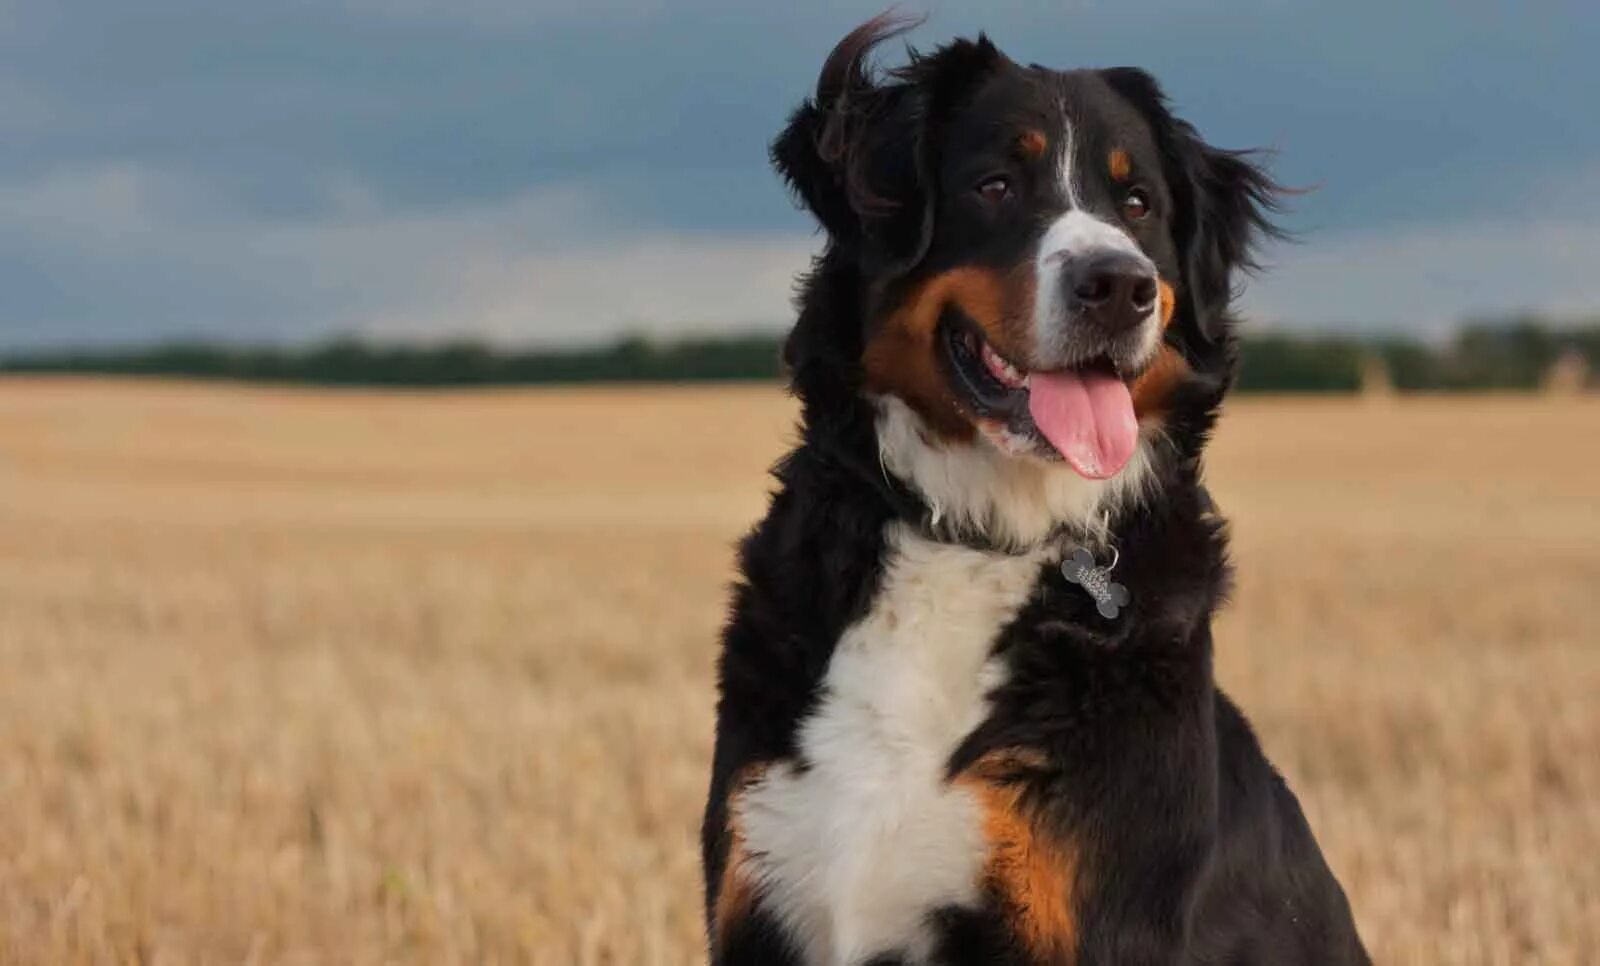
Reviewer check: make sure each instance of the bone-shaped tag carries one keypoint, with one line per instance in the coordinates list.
(1109, 597)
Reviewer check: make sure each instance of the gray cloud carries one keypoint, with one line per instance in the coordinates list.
(1429, 278)
(557, 265)
(544, 171)
(550, 265)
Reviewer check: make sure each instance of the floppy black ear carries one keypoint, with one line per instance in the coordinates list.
(861, 153)
(808, 151)
(1223, 202)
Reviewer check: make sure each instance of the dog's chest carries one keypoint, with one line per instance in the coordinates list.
(854, 850)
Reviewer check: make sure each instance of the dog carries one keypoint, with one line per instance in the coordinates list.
(967, 711)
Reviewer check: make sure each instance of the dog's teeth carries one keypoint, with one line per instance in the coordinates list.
(1001, 369)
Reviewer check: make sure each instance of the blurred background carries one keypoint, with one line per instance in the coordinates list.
(302, 663)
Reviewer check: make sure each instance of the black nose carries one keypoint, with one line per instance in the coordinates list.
(1115, 290)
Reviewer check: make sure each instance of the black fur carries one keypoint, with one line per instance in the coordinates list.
(1196, 850)
(1223, 200)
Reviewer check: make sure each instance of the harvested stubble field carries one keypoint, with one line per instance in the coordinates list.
(293, 676)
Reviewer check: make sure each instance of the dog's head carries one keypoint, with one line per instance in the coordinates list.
(1037, 266)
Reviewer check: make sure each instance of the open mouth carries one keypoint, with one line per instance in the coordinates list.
(1083, 414)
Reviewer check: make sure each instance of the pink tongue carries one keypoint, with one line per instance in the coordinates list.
(1088, 417)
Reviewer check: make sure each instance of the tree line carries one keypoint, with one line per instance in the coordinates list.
(1504, 354)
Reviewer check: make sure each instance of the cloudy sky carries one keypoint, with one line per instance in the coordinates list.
(541, 171)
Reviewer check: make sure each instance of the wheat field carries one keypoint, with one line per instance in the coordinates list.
(348, 677)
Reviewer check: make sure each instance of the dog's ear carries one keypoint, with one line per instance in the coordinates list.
(805, 152)
(1224, 202)
(861, 154)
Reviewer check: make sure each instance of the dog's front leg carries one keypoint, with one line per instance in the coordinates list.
(1142, 895)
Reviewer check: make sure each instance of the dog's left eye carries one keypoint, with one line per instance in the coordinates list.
(1136, 205)
(995, 189)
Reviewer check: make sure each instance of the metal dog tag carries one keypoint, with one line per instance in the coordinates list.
(1109, 597)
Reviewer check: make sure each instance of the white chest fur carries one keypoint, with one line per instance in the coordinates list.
(855, 851)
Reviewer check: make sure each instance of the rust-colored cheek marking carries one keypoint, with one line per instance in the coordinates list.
(1153, 389)
(1169, 301)
(1032, 143)
(1031, 872)
(736, 890)
(1120, 165)
(902, 356)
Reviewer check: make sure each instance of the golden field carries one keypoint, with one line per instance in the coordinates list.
(347, 677)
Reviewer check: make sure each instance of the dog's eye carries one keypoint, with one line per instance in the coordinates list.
(995, 189)
(1136, 205)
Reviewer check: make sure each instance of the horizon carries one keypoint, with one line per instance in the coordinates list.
(1250, 330)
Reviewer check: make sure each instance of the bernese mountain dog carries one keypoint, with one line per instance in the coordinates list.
(967, 711)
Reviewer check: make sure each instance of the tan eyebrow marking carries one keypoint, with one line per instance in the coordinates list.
(1032, 143)
(1120, 165)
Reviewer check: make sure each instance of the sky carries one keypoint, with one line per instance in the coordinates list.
(563, 171)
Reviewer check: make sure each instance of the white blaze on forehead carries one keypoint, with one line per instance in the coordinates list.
(1074, 234)
(1069, 185)
(1069, 189)
(1077, 231)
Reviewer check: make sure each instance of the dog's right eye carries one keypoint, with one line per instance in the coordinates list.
(994, 190)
